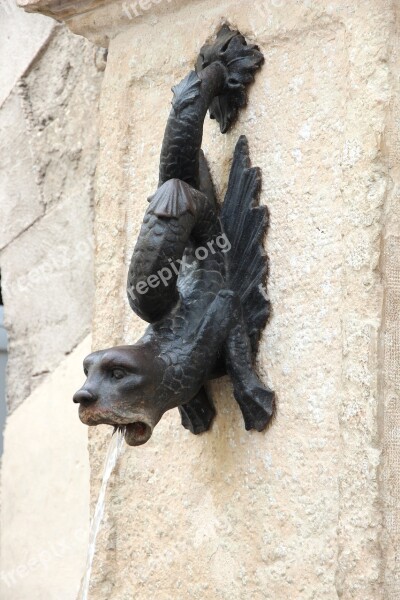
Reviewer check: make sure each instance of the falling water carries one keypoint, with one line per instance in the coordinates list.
(114, 452)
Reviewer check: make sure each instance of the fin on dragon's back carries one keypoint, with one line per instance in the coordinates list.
(245, 222)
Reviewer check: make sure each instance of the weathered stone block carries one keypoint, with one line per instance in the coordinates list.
(49, 147)
(60, 95)
(45, 491)
(20, 202)
(48, 293)
(15, 55)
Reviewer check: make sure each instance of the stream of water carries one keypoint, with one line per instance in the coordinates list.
(114, 452)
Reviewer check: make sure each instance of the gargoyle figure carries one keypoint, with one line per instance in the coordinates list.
(196, 272)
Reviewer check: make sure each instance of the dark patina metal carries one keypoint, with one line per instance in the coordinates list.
(197, 273)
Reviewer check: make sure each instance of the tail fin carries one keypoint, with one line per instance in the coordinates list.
(245, 222)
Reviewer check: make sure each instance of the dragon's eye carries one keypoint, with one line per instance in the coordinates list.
(117, 373)
(85, 371)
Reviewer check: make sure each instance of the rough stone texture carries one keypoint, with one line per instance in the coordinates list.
(390, 340)
(295, 512)
(20, 202)
(45, 491)
(49, 294)
(49, 148)
(48, 153)
(102, 20)
(60, 95)
(3, 365)
(33, 32)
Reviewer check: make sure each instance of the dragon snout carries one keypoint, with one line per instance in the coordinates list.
(83, 396)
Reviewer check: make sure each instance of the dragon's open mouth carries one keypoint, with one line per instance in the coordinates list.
(138, 433)
(138, 428)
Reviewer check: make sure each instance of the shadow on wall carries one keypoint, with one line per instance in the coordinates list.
(3, 362)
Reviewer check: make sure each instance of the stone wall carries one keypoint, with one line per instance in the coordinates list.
(3, 366)
(48, 151)
(389, 338)
(44, 520)
(49, 88)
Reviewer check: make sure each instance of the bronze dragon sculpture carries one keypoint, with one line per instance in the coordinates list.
(196, 273)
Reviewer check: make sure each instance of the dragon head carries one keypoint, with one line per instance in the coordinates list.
(124, 388)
